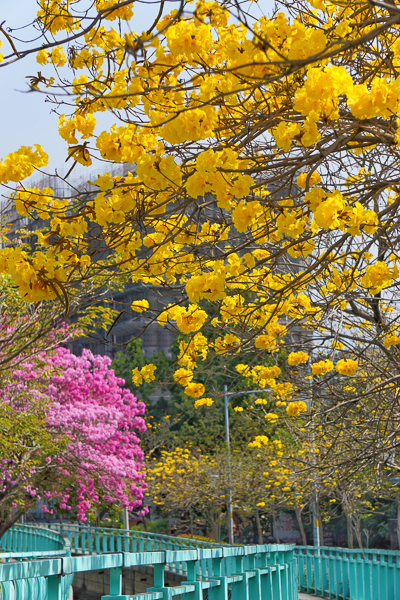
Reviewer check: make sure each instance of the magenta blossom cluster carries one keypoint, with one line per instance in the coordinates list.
(86, 401)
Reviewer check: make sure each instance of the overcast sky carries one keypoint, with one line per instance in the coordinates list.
(26, 118)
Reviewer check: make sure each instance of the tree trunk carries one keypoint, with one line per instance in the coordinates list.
(144, 523)
(301, 527)
(169, 524)
(356, 525)
(350, 542)
(321, 529)
(191, 523)
(259, 528)
(214, 526)
(398, 521)
(275, 527)
(5, 525)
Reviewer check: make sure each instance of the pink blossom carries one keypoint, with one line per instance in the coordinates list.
(86, 401)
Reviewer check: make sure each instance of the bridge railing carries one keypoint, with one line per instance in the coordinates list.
(215, 572)
(348, 574)
(19, 547)
(97, 540)
(27, 541)
(92, 540)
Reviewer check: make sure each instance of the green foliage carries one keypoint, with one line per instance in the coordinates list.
(204, 427)
(156, 526)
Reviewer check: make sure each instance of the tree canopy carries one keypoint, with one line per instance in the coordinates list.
(264, 181)
(69, 437)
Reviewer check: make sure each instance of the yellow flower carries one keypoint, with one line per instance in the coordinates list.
(238, 408)
(297, 358)
(391, 340)
(57, 56)
(245, 214)
(229, 343)
(378, 276)
(195, 390)
(148, 373)
(183, 376)
(137, 378)
(322, 367)
(203, 402)
(285, 133)
(347, 367)
(327, 214)
(42, 57)
(314, 178)
(271, 417)
(190, 319)
(266, 342)
(140, 305)
(293, 409)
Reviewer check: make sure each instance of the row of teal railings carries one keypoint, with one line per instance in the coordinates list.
(211, 571)
(347, 574)
(29, 556)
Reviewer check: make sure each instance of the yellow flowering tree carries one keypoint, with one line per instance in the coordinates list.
(263, 180)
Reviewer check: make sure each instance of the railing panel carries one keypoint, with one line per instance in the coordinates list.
(346, 574)
(225, 572)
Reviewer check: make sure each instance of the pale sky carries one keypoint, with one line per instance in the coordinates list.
(26, 118)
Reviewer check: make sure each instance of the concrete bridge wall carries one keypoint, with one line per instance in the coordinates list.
(94, 584)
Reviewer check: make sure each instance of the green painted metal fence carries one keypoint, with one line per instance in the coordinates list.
(27, 541)
(212, 571)
(39, 563)
(21, 576)
(349, 574)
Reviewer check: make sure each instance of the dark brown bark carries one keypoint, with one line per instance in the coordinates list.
(357, 529)
(169, 524)
(275, 527)
(398, 521)
(144, 523)
(350, 538)
(259, 528)
(301, 527)
(191, 523)
(5, 525)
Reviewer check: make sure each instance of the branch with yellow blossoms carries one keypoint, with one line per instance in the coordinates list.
(264, 181)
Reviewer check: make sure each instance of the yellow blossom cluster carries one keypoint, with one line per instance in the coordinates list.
(322, 367)
(347, 366)
(297, 358)
(203, 402)
(140, 305)
(294, 409)
(146, 374)
(240, 191)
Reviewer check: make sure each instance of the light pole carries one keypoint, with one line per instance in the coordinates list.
(125, 518)
(228, 395)
(316, 523)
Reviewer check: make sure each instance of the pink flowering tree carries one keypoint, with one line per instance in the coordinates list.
(70, 432)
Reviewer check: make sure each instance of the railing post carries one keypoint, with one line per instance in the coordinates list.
(159, 575)
(54, 587)
(221, 591)
(116, 581)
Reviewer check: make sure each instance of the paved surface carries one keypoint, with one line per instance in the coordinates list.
(308, 597)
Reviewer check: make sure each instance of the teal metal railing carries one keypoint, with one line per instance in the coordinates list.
(27, 541)
(97, 540)
(212, 571)
(347, 574)
(21, 545)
